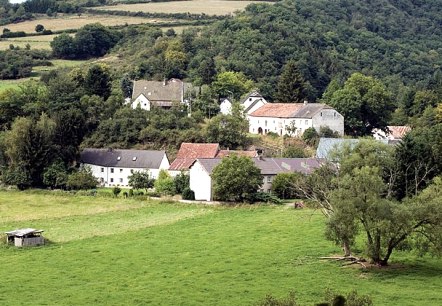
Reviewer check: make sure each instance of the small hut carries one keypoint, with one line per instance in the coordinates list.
(25, 237)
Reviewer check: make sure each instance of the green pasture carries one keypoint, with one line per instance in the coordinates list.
(113, 251)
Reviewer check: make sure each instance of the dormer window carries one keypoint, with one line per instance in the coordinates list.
(134, 158)
(119, 158)
(250, 99)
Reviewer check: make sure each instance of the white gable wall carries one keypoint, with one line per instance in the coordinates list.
(330, 118)
(256, 106)
(200, 182)
(142, 102)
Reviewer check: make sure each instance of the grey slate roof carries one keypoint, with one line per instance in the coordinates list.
(123, 158)
(272, 166)
(310, 109)
(160, 91)
(326, 145)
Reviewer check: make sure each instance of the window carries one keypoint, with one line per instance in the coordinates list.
(121, 180)
(306, 122)
(112, 170)
(119, 158)
(121, 170)
(111, 180)
(321, 114)
(265, 123)
(132, 171)
(269, 179)
(102, 169)
(134, 158)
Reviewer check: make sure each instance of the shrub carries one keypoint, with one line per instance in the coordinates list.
(116, 191)
(165, 184)
(266, 198)
(181, 182)
(188, 194)
(82, 179)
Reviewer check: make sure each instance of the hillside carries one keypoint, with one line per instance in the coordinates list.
(397, 41)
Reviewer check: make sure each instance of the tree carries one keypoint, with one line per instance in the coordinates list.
(284, 185)
(97, 81)
(181, 182)
(291, 84)
(230, 131)
(55, 176)
(164, 184)
(365, 104)
(140, 180)
(82, 179)
(126, 85)
(236, 179)
(39, 28)
(231, 84)
(63, 46)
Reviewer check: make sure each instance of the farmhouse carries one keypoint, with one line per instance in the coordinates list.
(277, 117)
(112, 167)
(201, 171)
(189, 152)
(395, 133)
(163, 94)
(250, 103)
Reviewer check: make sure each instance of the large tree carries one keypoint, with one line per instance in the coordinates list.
(365, 104)
(236, 179)
(230, 131)
(291, 84)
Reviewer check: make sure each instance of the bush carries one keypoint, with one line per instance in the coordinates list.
(116, 191)
(266, 198)
(165, 184)
(83, 179)
(181, 182)
(188, 194)
(284, 185)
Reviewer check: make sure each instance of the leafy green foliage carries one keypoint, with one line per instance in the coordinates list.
(365, 104)
(236, 179)
(181, 182)
(188, 194)
(165, 184)
(140, 180)
(82, 180)
(56, 175)
(284, 185)
(291, 84)
(294, 151)
(230, 131)
(92, 40)
(116, 191)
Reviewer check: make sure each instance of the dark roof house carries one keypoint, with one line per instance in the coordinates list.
(145, 159)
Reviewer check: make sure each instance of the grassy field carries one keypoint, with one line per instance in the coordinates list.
(209, 7)
(122, 251)
(74, 22)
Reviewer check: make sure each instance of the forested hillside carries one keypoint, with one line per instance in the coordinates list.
(399, 42)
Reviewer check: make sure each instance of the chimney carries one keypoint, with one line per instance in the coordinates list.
(164, 82)
(305, 102)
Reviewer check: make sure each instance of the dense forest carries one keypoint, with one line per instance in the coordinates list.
(399, 42)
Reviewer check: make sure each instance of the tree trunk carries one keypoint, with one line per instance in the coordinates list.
(346, 248)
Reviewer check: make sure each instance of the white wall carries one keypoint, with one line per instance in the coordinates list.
(330, 118)
(200, 182)
(256, 106)
(142, 101)
(277, 125)
(225, 107)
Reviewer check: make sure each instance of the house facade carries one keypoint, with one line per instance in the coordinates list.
(280, 117)
(112, 167)
(201, 170)
(249, 104)
(147, 94)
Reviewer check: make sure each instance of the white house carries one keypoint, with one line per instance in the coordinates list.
(249, 104)
(112, 167)
(201, 170)
(395, 132)
(277, 117)
(163, 94)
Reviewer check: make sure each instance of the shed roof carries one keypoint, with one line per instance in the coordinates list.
(146, 159)
(23, 232)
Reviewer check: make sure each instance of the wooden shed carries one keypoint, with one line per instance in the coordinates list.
(25, 237)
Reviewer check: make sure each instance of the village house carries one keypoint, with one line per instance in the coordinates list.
(162, 94)
(395, 133)
(278, 117)
(249, 104)
(112, 167)
(201, 171)
(189, 152)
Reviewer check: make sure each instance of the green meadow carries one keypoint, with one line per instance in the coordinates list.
(114, 251)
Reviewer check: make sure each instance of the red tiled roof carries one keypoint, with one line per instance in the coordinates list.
(189, 152)
(224, 153)
(398, 131)
(279, 110)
